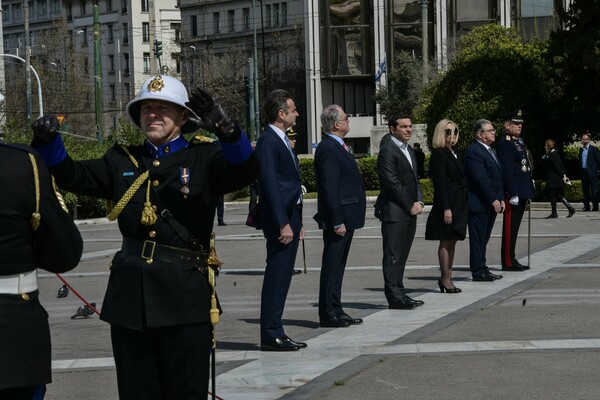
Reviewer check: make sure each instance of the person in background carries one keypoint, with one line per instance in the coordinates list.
(589, 161)
(556, 179)
(36, 231)
(420, 156)
(221, 210)
(447, 221)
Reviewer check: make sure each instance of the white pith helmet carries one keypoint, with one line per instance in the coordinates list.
(165, 88)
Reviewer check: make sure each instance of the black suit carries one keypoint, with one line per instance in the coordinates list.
(341, 201)
(399, 190)
(589, 177)
(485, 186)
(55, 246)
(280, 190)
(555, 171)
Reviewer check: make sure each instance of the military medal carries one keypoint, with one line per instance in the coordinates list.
(184, 178)
(524, 165)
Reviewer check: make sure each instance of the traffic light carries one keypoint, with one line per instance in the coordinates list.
(157, 48)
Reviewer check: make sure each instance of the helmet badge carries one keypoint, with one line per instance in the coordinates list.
(156, 84)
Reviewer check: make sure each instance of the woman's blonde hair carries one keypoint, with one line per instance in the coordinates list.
(439, 134)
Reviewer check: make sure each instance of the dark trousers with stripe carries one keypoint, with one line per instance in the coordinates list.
(513, 215)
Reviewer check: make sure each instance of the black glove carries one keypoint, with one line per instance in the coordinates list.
(45, 130)
(212, 116)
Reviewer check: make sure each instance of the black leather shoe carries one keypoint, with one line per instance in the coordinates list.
(585, 209)
(486, 276)
(415, 302)
(222, 223)
(571, 212)
(552, 216)
(297, 271)
(334, 322)
(402, 305)
(353, 321)
(515, 267)
(523, 267)
(300, 345)
(278, 345)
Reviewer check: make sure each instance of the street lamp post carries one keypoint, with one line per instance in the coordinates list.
(98, 74)
(37, 77)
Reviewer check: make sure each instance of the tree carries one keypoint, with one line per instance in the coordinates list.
(401, 94)
(573, 80)
(494, 72)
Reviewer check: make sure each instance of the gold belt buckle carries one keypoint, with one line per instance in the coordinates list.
(149, 259)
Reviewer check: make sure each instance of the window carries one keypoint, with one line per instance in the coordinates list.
(54, 7)
(127, 88)
(176, 28)
(146, 63)
(17, 12)
(111, 63)
(194, 25)
(82, 7)
(145, 32)
(276, 14)
(113, 95)
(216, 22)
(111, 33)
(69, 11)
(246, 15)
(231, 20)
(123, 6)
(144, 5)
(125, 33)
(284, 14)
(84, 40)
(109, 6)
(5, 16)
(126, 64)
(268, 14)
(41, 7)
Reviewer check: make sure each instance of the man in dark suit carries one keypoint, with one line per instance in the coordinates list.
(420, 156)
(340, 210)
(518, 186)
(589, 161)
(398, 204)
(279, 216)
(486, 197)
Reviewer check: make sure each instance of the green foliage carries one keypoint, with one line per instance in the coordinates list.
(368, 171)
(573, 79)
(494, 72)
(404, 86)
(573, 192)
(571, 153)
(307, 172)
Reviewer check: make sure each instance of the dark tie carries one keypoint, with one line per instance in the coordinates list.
(493, 153)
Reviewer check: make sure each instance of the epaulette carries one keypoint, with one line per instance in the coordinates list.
(508, 138)
(201, 139)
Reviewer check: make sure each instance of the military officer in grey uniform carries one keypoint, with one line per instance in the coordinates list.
(518, 186)
(166, 192)
(35, 232)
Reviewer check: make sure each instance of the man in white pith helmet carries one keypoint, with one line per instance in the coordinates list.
(158, 298)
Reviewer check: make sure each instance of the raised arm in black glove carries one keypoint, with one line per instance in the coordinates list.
(45, 130)
(212, 116)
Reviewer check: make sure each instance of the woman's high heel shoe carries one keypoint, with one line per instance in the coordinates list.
(448, 290)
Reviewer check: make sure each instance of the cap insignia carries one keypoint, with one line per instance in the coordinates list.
(156, 84)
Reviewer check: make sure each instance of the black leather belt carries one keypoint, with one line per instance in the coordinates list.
(150, 251)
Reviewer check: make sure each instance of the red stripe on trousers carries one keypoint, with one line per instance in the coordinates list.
(507, 238)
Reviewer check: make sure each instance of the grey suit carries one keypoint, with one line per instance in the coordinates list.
(399, 190)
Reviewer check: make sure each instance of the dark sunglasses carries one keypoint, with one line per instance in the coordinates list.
(449, 131)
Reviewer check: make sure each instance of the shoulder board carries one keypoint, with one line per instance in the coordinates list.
(200, 139)
(508, 138)
(15, 146)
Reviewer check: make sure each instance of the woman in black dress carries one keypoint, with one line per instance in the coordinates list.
(447, 221)
(555, 179)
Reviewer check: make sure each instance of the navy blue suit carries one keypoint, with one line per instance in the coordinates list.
(279, 192)
(589, 177)
(341, 201)
(516, 169)
(484, 184)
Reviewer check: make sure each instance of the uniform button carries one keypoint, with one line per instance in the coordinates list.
(167, 149)
(156, 163)
(154, 208)
(155, 183)
(25, 296)
(152, 234)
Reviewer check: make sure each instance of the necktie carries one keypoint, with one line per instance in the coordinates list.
(493, 153)
(346, 148)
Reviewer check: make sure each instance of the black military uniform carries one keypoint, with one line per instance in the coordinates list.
(516, 172)
(54, 245)
(158, 297)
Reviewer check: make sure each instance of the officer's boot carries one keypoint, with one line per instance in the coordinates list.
(569, 207)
